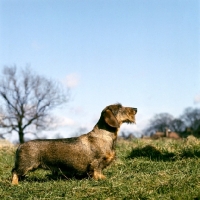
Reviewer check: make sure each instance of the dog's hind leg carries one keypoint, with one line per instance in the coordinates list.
(21, 169)
(17, 174)
(15, 178)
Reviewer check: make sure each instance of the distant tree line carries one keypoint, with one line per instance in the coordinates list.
(187, 124)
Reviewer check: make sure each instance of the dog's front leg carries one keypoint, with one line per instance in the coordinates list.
(94, 171)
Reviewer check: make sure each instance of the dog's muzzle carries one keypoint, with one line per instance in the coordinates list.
(135, 110)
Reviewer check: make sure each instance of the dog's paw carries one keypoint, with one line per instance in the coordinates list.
(98, 176)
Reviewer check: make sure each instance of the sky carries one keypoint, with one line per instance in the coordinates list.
(141, 53)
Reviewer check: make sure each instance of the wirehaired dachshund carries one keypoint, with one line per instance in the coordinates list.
(86, 155)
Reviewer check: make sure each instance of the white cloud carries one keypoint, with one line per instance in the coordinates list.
(62, 121)
(67, 122)
(72, 80)
(197, 99)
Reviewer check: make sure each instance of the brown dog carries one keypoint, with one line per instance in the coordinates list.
(86, 155)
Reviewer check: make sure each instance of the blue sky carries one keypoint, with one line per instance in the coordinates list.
(141, 53)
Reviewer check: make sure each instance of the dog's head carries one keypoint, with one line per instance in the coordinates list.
(115, 115)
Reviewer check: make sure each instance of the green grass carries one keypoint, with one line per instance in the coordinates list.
(144, 169)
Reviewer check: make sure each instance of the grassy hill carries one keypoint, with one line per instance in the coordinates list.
(144, 169)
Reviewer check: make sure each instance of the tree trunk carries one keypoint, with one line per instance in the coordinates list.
(21, 136)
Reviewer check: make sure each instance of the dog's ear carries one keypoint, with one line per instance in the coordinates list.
(110, 119)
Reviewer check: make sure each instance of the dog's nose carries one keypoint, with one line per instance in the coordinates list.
(135, 109)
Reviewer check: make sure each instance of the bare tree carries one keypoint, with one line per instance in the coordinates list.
(27, 100)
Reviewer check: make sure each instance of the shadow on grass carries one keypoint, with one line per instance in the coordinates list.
(154, 154)
(50, 177)
(190, 153)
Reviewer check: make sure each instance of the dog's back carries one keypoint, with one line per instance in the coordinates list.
(52, 154)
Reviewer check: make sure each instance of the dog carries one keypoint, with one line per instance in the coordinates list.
(86, 155)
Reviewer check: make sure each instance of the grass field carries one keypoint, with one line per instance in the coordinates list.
(144, 169)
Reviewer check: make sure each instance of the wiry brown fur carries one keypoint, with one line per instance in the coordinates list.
(86, 155)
